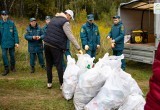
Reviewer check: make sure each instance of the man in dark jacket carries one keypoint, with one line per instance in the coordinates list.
(34, 36)
(117, 38)
(8, 40)
(55, 41)
(90, 36)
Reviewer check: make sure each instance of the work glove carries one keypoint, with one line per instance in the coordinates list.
(16, 45)
(80, 51)
(108, 37)
(86, 47)
(112, 45)
(98, 46)
(113, 41)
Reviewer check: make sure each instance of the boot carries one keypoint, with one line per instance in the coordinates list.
(13, 68)
(6, 71)
(32, 69)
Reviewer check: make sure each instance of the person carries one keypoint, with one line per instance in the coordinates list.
(47, 20)
(117, 38)
(153, 96)
(8, 40)
(66, 53)
(90, 36)
(34, 35)
(55, 42)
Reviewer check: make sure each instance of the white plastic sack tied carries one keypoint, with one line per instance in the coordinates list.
(118, 86)
(113, 61)
(133, 102)
(89, 85)
(112, 94)
(134, 88)
(70, 78)
(84, 62)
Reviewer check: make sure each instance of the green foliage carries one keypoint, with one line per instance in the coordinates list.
(41, 8)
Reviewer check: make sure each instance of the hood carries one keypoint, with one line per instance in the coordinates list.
(61, 14)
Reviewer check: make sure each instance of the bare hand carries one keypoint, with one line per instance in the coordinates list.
(38, 37)
(34, 37)
(80, 52)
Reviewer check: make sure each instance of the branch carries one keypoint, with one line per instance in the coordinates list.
(11, 5)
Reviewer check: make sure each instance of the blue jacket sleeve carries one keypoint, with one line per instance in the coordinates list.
(27, 36)
(110, 33)
(42, 34)
(121, 36)
(83, 35)
(98, 37)
(44, 29)
(15, 34)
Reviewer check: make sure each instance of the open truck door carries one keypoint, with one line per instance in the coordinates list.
(143, 26)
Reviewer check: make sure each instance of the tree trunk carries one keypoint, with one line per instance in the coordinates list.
(21, 8)
(36, 14)
(5, 5)
(11, 5)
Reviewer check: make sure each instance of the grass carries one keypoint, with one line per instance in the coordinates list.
(25, 91)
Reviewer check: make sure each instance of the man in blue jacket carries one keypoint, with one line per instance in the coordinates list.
(8, 40)
(117, 38)
(90, 36)
(35, 35)
(47, 20)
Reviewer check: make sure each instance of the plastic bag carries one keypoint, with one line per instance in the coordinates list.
(85, 62)
(89, 85)
(113, 61)
(70, 78)
(134, 88)
(111, 95)
(133, 102)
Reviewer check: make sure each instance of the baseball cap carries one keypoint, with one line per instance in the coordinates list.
(70, 12)
(90, 17)
(115, 17)
(32, 19)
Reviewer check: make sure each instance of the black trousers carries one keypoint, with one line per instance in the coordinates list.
(54, 57)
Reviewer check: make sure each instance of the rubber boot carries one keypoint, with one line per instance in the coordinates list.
(32, 69)
(6, 71)
(13, 68)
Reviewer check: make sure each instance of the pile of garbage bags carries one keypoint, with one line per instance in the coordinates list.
(103, 86)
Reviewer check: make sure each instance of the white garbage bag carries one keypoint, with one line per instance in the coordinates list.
(113, 61)
(118, 86)
(133, 102)
(70, 78)
(134, 88)
(112, 94)
(84, 62)
(89, 85)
